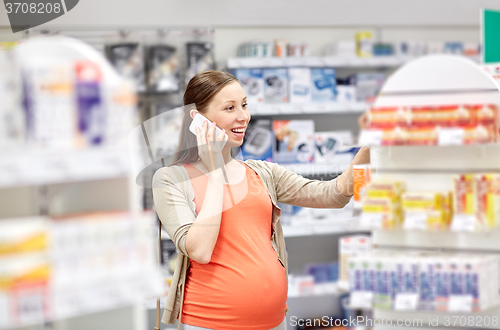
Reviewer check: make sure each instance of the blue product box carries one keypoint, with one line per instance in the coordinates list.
(294, 141)
(299, 80)
(252, 81)
(275, 85)
(258, 140)
(323, 83)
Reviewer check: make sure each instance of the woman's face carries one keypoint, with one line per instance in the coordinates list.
(229, 111)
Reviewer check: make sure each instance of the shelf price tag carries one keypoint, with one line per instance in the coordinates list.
(361, 299)
(406, 302)
(460, 303)
(450, 136)
(463, 222)
(371, 220)
(370, 138)
(415, 220)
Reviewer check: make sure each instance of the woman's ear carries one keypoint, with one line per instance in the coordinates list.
(193, 112)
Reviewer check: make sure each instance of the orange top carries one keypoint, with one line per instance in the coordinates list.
(244, 285)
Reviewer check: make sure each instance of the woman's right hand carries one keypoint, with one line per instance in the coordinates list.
(210, 146)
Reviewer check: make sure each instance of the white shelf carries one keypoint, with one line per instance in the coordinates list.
(321, 289)
(324, 61)
(442, 317)
(339, 225)
(487, 241)
(316, 169)
(264, 109)
(463, 158)
(28, 167)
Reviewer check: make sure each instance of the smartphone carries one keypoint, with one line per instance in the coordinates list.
(198, 121)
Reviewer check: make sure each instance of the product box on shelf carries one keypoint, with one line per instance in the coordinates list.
(364, 44)
(368, 85)
(128, 59)
(299, 82)
(368, 269)
(49, 101)
(427, 281)
(12, 117)
(121, 113)
(25, 289)
(352, 246)
(345, 93)
(252, 81)
(460, 124)
(427, 278)
(275, 85)
(200, 58)
(323, 83)
(90, 104)
(361, 177)
(294, 141)
(382, 294)
(163, 68)
(258, 141)
(333, 147)
(487, 187)
(381, 207)
(346, 251)
(426, 210)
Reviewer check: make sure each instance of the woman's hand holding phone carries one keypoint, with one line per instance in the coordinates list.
(210, 146)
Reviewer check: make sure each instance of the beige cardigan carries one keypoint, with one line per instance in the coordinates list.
(173, 197)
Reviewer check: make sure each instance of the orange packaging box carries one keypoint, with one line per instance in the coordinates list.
(464, 194)
(488, 194)
(361, 177)
(425, 135)
(387, 117)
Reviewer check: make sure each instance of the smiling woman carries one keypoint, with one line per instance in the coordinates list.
(224, 218)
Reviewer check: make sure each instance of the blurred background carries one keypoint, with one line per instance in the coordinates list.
(78, 231)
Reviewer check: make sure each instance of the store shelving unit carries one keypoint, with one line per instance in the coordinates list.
(47, 183)
(436, 80)
(311, 61)
(61, 166)
(320, 61)
(308, 108)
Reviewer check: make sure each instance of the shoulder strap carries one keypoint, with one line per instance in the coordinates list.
(157, 327)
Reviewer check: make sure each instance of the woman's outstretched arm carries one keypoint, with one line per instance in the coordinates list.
(345, 180)
(292, 188)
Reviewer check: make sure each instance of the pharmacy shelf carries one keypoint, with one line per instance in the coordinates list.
(322, 61)
(480, 241)
(264, 109)
(345, 223)
(312, 169)
(320, 289)
(28, 167)
(438, 159)
(326, 61)
(456, 320)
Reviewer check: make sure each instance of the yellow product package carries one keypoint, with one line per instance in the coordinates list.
(383, 212)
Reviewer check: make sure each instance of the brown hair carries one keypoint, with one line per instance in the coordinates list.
(200, 91)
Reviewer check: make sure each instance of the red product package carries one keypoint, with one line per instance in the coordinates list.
(387, 117)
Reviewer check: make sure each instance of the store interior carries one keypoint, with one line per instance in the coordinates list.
(91, 106)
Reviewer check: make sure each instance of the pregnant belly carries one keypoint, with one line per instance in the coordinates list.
(236, 294)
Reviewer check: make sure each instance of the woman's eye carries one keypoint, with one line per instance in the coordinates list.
(230, 107)
(245, 105)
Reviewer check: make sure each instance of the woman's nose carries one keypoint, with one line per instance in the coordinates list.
(244, 115)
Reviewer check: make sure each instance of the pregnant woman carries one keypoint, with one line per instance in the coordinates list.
(224, 219)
